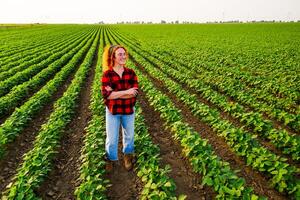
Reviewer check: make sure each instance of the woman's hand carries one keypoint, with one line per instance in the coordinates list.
(132, 91)
(108, 88)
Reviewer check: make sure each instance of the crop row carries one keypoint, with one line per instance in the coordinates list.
(35, 37)
(244, 80)
(231, 87)
(30, 71)
(15, 58)
(256, 94)
(189, 51)
(21, 116)
(10, 46)
(37, 162)
(216, 173)
(157, 185)
(9, 51)
(289, 143)
(260, 55)
(242, 142)
(19, 92)
(93, 185)
(13, 65)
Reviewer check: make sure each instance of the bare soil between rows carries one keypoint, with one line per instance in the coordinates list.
(276, 123)
(124, 184)
(264, 141)
(187, 182)
(253, 178)
(24, 142)
(64, 177)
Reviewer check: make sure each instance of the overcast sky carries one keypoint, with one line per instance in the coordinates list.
(111, 11)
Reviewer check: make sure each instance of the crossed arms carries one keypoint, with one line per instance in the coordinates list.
(124, 94)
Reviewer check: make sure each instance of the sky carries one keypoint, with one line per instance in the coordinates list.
(113, 11)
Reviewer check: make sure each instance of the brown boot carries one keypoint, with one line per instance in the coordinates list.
(128, 161)
(109, 166)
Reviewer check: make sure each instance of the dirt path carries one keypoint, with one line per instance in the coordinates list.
(63, 179)
(187, 182)
(124, 184)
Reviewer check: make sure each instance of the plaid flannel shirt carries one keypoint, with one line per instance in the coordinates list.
(112, 79)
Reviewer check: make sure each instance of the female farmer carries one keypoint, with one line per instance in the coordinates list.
(119, 89)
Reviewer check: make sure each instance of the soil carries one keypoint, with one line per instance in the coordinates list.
(124, 184)
(24, 142)
(277, 124)
(63, 178)
(187, 182)
(257, 181)
(263, 141)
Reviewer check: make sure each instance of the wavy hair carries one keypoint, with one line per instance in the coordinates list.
(109, 55)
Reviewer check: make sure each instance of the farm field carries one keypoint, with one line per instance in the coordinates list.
(217, 115)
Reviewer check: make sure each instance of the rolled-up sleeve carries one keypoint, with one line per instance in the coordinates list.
(105, 82)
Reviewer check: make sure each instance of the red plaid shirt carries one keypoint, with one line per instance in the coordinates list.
(112, 79)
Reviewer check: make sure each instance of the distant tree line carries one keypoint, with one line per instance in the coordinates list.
(188, 22)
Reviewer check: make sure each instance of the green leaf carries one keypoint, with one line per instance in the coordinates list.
(168, 184)
(207, 180)
(182, 197)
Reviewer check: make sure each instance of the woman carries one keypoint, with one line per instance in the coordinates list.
(119, 89)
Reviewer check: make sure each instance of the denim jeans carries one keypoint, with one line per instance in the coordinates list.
(113, 123)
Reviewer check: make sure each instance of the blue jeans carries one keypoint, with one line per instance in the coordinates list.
(112, 134)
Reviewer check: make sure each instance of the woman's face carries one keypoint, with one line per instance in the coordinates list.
(120, 57)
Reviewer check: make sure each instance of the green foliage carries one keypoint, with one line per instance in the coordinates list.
(242, 142)
(37, 162)
(196, 149)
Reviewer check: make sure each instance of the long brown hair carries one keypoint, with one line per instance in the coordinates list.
(109, 55)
